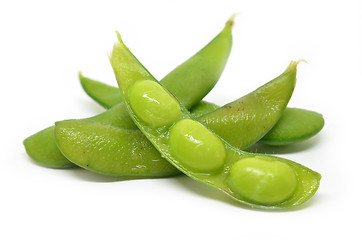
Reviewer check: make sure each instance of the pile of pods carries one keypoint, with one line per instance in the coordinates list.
(163, 129)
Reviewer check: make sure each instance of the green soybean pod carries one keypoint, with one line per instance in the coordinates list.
(106, 95)
(190, 82)
(256, 113)
(42, 149)
(179, 142)
(106, 149)
(294, 126)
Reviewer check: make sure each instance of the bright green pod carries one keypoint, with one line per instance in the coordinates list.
(103, 148)
(190, 82)
(256, 112)
(160, 137)
(106, 95)
(294, 126)
(42, 149)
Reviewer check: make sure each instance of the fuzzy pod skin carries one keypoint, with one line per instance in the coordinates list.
(104, 94)
(190, 82)
(307, 181)
(295, 125)
(256, 113)
(106, 149)
(42, 149)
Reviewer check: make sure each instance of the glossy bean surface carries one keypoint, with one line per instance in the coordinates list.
(307, 180)
(196, 147)
(155, 106)
(262, 180)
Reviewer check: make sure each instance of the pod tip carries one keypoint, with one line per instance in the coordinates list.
(119, 37)
(230, 22)
(295, 63)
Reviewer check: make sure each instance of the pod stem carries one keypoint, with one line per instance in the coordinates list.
(230, 22)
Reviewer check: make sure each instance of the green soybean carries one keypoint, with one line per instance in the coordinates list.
(190, 82)
(160, 137)
(196, 147)
(153, 104)
(262, 180)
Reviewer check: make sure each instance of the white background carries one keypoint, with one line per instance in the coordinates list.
(45, 43)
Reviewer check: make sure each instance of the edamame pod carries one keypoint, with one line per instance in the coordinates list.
(42, 149)
(190, 82)
(106, 149)
(294, 126)
(106, 95)
(184, 138)
(257, 112)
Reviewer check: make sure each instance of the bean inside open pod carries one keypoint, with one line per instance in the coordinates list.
(254, 179)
